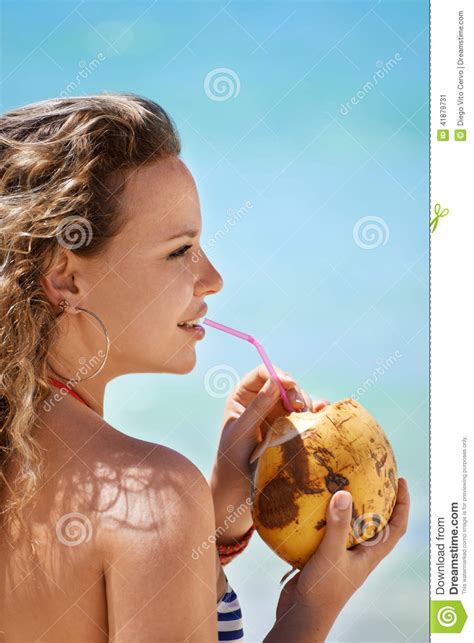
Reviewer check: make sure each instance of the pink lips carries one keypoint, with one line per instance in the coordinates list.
(197, 331)
(198, 315)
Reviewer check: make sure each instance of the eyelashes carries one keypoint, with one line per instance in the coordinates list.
(179, 253)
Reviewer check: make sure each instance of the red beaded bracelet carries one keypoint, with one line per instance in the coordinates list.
(227, 553)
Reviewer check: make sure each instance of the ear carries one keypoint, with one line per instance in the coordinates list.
(59, 284)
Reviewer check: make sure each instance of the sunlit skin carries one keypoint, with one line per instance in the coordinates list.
(143, 285)
(136, 286)
(145, 507)
(150, 277)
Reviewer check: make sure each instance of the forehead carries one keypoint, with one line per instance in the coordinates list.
(161, 197)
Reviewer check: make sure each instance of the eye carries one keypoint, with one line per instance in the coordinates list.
(179, 253)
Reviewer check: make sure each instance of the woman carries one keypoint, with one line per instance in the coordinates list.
(105, 537)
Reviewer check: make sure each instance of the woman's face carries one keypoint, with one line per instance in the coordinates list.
(152, 275)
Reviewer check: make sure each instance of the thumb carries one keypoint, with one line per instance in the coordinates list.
(338, 525)
(260, 406)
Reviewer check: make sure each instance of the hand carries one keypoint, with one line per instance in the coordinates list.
(252, 403)
(246, 421)
(314, 597)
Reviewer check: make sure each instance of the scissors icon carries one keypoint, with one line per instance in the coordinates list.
(438, 214)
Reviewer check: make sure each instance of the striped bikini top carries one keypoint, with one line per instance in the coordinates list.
(229, 617)
(229, 614)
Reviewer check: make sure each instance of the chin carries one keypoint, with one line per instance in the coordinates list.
(182, 366)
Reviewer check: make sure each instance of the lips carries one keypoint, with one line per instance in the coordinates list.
(194, 321)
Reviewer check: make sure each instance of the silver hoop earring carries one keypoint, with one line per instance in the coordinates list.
(63, 304)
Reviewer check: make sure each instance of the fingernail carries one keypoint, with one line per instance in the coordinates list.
(343, 500)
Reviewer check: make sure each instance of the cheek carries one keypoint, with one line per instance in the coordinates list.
(164, 299)
(147, 304)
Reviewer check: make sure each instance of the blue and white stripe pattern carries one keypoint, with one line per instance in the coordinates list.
(229, 617)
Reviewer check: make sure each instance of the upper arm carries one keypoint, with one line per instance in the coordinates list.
(160, 569)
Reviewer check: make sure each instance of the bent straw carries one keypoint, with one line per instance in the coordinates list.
(263, 355)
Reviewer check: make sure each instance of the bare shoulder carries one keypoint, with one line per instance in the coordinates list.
(156, 535)
(150, 517)
(149, 486)
(146, 489)
(126, 487)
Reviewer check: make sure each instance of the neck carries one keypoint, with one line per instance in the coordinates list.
(91, 391)
(82, 338)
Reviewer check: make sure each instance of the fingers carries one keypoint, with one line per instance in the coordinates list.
(308, 402)
(299, 399)
(260, 406)
(319, 405)
(338, 525)
(256, 378)
(392, 532)
(302, 401)
(399, 518)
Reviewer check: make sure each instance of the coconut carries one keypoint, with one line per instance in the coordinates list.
(304, 459)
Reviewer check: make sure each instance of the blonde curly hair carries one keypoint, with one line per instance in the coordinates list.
(63, 164)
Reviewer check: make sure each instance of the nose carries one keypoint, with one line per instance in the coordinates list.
(210, 280)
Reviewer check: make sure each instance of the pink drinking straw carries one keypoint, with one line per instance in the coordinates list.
(263, 355)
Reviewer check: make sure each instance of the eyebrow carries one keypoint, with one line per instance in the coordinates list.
(184, 233)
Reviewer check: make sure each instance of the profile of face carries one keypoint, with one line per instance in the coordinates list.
(152, 276)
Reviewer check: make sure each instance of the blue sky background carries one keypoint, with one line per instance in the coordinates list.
(296, 272)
